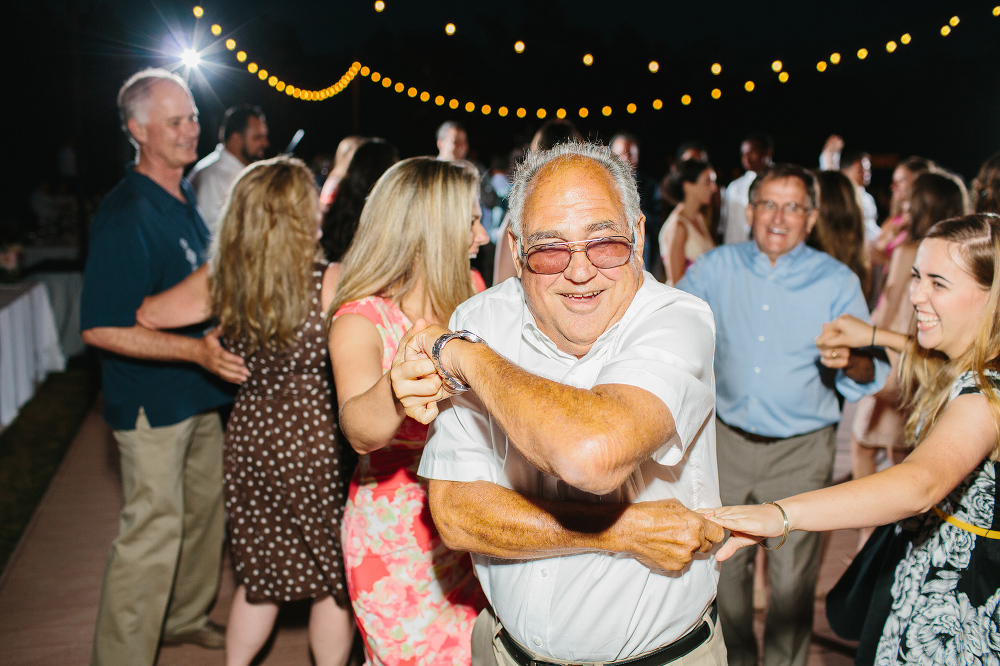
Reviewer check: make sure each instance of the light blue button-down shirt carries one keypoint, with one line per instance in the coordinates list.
(768, 376)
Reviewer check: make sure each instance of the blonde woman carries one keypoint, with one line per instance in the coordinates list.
(415, 601)
(283, 481)
(940, 603)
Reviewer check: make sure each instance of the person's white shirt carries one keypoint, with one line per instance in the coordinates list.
(211, 179)
(593, 606)
(870, 210)
(735, 228)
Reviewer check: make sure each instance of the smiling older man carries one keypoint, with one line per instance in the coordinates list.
(777, 409)
(570, 467)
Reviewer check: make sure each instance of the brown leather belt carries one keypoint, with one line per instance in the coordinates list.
(753, 437)
(666, 654)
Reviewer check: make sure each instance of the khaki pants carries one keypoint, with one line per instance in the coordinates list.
(163, 569)
(488, 650)
(751, 473)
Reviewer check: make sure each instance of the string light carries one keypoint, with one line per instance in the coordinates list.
(411, 92)
(953, 21)
(230, 44)
(502, 112)
(519, 46)
(541, 113)
(252, 68)
(631, 107)
(716, 69)
(453, 104)
(216, 29)
(862, 54)
(996, 11)
(890, 46)
(905, 39)
(399, 87)
(449, 29)
(588, 59)
(470, 107)
(685, 99)
(783, 77)
(834, 58)
(386, 82)
(716, 93)
(583, 112)
(945, 31)
(657, 104)
(198, 12)
(560, 113)
(776, 65)
(522, 112)
(821, 66)
(486, 109)
(379, 5)
(424, 96)
(241, 56)
(654, 66)
(749, 86)
(606, 111)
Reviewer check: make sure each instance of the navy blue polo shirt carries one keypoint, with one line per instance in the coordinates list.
(144, 240)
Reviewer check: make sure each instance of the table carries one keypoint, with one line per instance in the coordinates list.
(29, 345)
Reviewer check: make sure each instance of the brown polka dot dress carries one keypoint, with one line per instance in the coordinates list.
(285, 489)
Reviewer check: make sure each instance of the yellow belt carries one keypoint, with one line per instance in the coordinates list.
(979, 531)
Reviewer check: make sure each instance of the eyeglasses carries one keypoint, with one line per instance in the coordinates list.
(553, 258)
(790, 209)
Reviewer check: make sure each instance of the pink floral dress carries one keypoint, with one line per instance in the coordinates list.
(415, 601)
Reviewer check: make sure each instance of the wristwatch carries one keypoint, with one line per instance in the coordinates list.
(451, 381)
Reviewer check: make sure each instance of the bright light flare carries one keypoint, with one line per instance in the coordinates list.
(190, 58)
(449, 29)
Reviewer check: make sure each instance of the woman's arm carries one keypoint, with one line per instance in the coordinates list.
(370, 412)
(187, 302)
(849, 332)
(675, 236)
(963, 436)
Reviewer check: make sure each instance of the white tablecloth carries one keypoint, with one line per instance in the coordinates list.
(29, 345)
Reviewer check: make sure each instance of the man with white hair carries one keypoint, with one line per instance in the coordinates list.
(570, 467)
(159, 396)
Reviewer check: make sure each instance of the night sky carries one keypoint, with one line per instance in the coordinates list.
(938, 96)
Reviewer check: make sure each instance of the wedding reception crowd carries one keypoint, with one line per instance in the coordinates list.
(545, 412)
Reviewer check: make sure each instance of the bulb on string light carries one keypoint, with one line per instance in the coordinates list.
(783, 77)
(606, 111)
(584, 112)
(453, 104)
(379, 5)
(519, 46)
(252, 68)
(862, 54)
(821, 66)
(198, 12)
(716, 69)
(631, 108)
(716, 93)
(424, 96)
(905, 39)
(834, 58)
(486, 108)
(657, 104)
(654, 66)
(945, 30)
(439, 100)
(890, 46)
(776, 65)
(522, 112)
(262, 74)
(216, 29)
(685, 99)
(230, 44)
(502, 112)
(386, 82)
(541, 113)
(953, 21)
(399, 87)
(279, 86)
(411, 92)
(560, 113)
(449, 29)
(588, 59)
(749, 86)
(470, 107)
(272, 81)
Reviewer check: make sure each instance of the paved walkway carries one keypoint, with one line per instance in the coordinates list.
(50, 589)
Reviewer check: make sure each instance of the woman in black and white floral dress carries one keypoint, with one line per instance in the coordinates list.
(941, 603)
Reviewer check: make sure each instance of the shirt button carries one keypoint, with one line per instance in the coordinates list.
(757, 370)
(544, 572)
(760, 338)
(537, 641)
(766, 307)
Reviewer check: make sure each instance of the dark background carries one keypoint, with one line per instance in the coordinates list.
(938, 97)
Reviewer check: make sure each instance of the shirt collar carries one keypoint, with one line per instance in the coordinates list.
(761, 263)
(233, 161)
(160, 198)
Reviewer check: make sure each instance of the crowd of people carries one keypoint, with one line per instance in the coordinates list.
(490, 418)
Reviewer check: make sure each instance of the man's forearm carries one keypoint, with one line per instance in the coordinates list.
(592, 439)
(486, 518)
(139, 342)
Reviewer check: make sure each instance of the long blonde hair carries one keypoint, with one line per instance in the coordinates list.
(264, 252)
(927, 374)
(414, 226)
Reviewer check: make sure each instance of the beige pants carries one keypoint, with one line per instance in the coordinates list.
(163, 569)
(488, 650)
(752, 473)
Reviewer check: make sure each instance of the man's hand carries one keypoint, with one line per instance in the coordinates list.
(218, 361)
(665, 535)
(414, 379)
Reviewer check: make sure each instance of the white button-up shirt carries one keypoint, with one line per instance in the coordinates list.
(735, 227)
(593, 606)
(211, 179)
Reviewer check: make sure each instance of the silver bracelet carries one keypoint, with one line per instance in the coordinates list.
(450, 380)
(784, 516)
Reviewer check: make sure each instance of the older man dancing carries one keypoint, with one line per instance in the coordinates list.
(570, 467)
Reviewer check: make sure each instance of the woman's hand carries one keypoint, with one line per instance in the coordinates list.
(414, 379)
(839, 337)
(749, 524)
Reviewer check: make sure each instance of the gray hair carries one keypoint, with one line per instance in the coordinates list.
(133, 98)
(619, 171)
